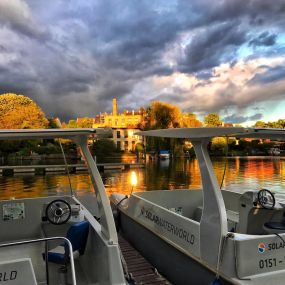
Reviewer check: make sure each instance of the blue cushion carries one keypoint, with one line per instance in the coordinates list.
(77, 235)
(59, 258)
(275, 226)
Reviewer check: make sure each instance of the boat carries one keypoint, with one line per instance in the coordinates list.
(274, 151)
(59, 239)
(208, 235)
(164, 154)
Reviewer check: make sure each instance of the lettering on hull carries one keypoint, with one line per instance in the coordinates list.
(174, 230)
(276, 245)
(8, 276)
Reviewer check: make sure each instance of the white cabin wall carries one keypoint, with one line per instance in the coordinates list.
(189, 200)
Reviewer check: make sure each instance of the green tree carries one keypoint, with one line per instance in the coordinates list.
(212, 120)
(219, 145)
(20, 112)
(103, 148)
(276, 124)
(260, 124)
(54, 123)
(281, 123)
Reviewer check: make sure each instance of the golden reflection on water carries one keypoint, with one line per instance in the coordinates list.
(241, 174)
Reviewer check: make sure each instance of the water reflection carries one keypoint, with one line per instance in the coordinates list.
(241, 174)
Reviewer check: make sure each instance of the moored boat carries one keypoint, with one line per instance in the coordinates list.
(208, 235)
(274, 151)
(164, 154)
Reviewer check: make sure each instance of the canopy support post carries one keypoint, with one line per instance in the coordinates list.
(213, 224)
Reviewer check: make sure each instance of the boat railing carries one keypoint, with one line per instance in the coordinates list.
(46, 240)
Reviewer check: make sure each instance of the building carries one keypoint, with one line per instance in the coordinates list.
(124, 126)
(125, 139)
(126, 119)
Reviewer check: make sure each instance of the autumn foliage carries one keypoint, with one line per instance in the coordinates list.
(20, 112)
(162, 115)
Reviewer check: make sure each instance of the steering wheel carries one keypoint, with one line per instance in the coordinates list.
(266, 199)
(58, 212)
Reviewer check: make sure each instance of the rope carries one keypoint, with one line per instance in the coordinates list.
(226, 162)
(280, 237)
(126, 197)
(58, 124)
(220, 255)
(236, 263)
(66, 167)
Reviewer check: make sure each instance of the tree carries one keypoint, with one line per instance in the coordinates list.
(161, 115)
(281, 123)
(20, 112)
(219, 145)
(54, 123)
(72, 124)
(190, 120)
(260, 124)
(212, 120)
(85, 123)
(276, 124)
(103, 148)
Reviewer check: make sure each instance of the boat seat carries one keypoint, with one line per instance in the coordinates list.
(274, 227)
(232, 216)
(77, 235)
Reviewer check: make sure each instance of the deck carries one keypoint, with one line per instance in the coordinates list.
(141, 270)
(73, 168)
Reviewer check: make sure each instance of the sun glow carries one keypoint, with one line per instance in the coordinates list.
(134, 179)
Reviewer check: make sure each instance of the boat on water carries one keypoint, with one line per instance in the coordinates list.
(274, 151)
(164, 154)
(59, 239)
(208, 235)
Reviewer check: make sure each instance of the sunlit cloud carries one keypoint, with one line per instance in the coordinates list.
(73, 57)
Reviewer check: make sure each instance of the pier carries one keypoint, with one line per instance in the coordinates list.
(72, 168)
(139, 268)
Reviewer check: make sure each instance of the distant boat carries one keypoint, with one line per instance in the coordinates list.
(274, 151)
(164, 154)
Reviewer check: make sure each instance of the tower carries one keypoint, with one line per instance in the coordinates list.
(115, 107)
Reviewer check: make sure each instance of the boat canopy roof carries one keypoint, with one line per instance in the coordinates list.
(200, 133)
(19, 134)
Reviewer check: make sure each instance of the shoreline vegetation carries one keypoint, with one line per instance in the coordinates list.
(21, 112)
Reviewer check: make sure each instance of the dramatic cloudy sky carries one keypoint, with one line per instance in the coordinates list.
(72, 57)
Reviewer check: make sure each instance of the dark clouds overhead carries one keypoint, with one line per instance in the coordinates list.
(16, 15)
(264, 39)
(73, 57)
(273, 74)
(211, 46)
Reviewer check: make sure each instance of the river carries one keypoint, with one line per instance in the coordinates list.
(242, 174)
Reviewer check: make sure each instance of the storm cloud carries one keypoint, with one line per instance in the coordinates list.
(73, 57)
(264, 39)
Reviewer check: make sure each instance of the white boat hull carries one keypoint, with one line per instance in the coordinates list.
(177, 267)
